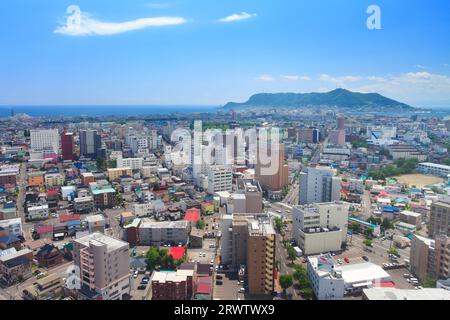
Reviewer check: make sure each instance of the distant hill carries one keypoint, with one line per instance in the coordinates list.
(340, 98)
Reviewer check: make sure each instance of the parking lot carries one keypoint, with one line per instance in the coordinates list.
(205, 254)
(136, 293)
(229, 288)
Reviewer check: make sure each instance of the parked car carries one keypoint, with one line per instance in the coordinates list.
(142, 287)
(219, 282)
(365, 258)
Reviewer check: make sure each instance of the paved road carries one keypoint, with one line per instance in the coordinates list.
(284, 265)
(380, 247)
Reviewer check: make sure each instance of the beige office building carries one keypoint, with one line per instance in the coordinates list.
(116, 173)
(276, 180)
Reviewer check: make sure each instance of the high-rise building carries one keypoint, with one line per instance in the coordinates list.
(45, 139)
(430, 257)
(272, 176)
(320, 227)
(90, 143)
(439, 219)
(309, 135)
(319, 185)
(67, 145)
(252, 192)
(104, 264)
(220, 178)
(250, 240)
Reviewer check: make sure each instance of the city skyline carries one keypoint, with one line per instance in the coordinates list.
(195, 53)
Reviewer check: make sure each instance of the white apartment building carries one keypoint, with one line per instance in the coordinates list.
(104, 264)
(320, 227)
(43, 139)
(143, 209)
(38, 212)
(14, 226)
(220, 178)
(319, 185)
(155, 233)
(133, 163)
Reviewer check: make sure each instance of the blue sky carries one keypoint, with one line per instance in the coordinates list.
(211, 52)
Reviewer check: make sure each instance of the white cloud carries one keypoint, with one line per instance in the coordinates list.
(158, 5)
(238, 17)
(419, 66)
(296, 78)
(84, 25)
(264, 77)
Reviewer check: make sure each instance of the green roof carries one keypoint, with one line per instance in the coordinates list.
(101, 191)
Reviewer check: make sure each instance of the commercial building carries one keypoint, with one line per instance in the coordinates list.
(172, 285)
(155, 233)
(331, 281)
(90, 143)
(44, 139)
(434, 169)
(320, 227)
(220, 178)
(46, 288)
(430, 257)
(319, 185)
(104, 264)
(67, 146)
(309, 135)
(439, 219)
(274, 175)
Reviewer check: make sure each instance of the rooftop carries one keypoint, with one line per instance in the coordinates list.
(100, 238)
(401, 294)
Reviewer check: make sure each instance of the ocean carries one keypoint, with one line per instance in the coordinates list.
(72, 111)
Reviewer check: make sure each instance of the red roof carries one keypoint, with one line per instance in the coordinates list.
(52, 192)
(203, 288)
(384, 284)
(63, 218)
(44, 229)
(192, 215)
(177, 252)
(204, 285)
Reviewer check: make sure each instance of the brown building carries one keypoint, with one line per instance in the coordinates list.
(49, 256)
(272, 176)
(253, 195)
(439, 219)
(168, 285)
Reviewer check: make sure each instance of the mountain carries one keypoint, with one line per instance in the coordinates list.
(340, 98)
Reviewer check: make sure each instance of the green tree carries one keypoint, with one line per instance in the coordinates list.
(152, 258)
(286, 281)
(429, 281)
(278, 224)
(201, 224)
(291, 253)
(394, 251)
(368, 233)
(367, 242)
(355, 227)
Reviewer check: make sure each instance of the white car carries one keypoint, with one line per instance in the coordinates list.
(242, 290)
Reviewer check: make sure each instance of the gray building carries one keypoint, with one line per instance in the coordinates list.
(319, 185)
(90, 143)
(155, 233)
